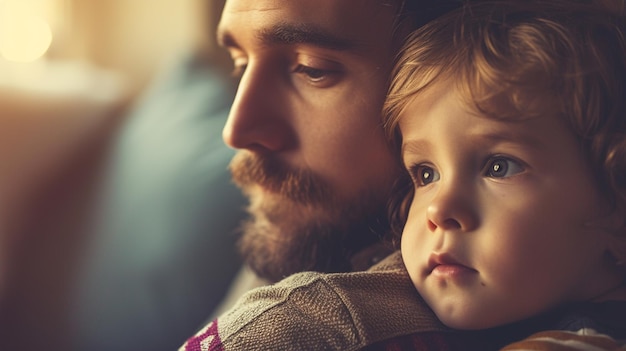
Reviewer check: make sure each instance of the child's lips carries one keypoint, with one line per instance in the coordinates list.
(445, 265)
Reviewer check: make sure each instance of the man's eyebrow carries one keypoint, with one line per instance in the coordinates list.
(225, 39)
(290, 34)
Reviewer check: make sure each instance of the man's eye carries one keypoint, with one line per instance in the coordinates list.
(313, 74)
(501, 167)
(424, 175)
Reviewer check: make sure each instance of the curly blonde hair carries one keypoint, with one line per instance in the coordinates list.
(520, 59)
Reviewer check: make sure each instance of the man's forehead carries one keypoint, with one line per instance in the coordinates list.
(324, 13)
(337, 25)
(263, 5)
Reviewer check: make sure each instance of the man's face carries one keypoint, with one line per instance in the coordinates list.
(306, 119)
(499, 226)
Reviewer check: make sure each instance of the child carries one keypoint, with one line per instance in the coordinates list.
(510, 118)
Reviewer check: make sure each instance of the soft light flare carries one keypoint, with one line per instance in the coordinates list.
(24, 35)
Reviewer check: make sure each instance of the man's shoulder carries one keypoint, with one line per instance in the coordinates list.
(390, 268)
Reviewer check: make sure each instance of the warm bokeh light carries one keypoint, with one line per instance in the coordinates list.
(24, 35)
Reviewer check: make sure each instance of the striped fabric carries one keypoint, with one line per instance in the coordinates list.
(208, 339)
(560, 340)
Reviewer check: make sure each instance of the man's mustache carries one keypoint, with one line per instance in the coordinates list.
(273, 175)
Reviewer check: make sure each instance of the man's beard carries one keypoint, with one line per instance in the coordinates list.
(297, 223)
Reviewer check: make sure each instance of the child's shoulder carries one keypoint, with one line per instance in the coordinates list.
(562, 340)
(608, 317)
(580, 326)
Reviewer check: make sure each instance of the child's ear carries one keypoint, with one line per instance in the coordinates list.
(617, 249)
(613, 228)
(615, 231)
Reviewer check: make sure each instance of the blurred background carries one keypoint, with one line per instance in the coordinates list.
(117, 216)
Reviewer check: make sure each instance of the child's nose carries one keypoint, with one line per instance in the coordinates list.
(452, 209)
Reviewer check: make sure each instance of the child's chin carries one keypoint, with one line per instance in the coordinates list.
(465, 321)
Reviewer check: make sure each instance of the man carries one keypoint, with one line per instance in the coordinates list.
(312, 157)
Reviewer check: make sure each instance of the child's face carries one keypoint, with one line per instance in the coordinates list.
(498, 227)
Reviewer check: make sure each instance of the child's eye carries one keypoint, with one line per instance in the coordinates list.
(425, 175)
(501, 167)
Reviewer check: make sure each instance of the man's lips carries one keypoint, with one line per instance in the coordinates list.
(445, 265)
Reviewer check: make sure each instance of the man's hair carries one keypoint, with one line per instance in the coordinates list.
(412, 14)
(526, 59)
(421, 12)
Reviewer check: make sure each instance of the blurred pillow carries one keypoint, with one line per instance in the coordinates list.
(163, 255)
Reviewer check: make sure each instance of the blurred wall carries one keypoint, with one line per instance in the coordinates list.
(102, 52)
(134, 37)
(56, 129)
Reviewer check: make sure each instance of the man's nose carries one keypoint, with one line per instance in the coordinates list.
(259, 119)
(453, 208)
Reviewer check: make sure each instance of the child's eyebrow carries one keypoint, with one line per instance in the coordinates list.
(422, 147)
(524, 139)
(416, 146)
